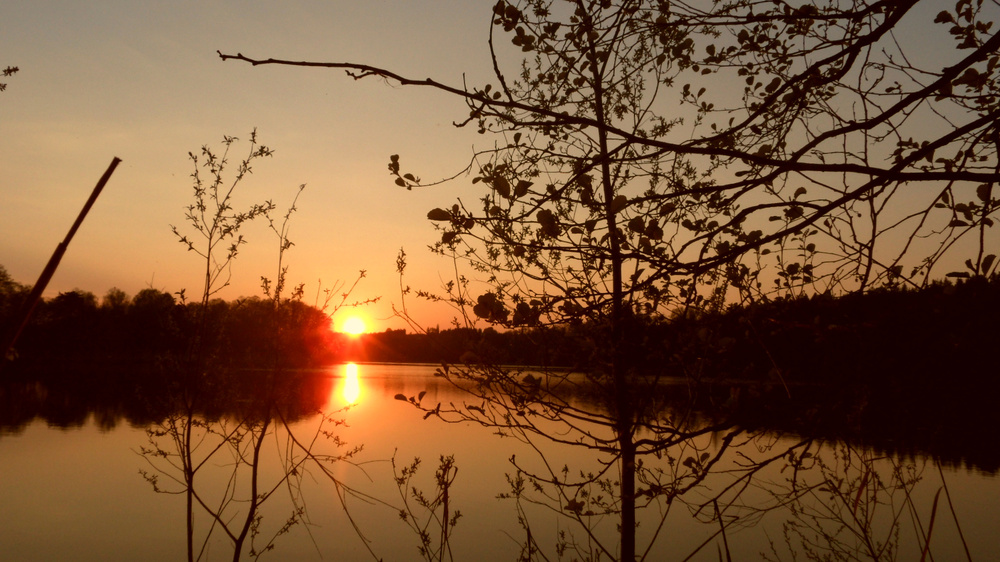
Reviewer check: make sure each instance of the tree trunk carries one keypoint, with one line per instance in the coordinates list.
(619, 371)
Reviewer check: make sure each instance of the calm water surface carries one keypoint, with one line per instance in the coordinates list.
(78, 494)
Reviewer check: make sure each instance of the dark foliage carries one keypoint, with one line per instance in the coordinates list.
(152, 331)
(537, 347)
(942, 332)
(859, 339)
(8, 71)
(891, 340)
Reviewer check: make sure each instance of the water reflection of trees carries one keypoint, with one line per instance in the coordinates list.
(72, 398)
(694, 458)
(235, 445)
(846, 503)
(210, 449)
(878, 420)
(725, 475)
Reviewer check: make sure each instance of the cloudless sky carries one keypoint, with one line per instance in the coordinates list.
(141, 80)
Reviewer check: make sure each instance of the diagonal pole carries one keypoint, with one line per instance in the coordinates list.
(50, 268)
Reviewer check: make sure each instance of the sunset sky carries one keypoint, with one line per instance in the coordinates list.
(142, 81)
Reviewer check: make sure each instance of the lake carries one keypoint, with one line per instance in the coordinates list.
(107, 482)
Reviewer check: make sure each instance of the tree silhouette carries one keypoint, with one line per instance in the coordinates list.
(12, 296)
(8, 71)
(216, 225)
(256, 342)
(655, 159)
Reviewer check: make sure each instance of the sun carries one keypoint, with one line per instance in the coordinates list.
(354, 325)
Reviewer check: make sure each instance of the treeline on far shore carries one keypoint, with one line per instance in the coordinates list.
(153, 331)
(917, 367)
(943, 332)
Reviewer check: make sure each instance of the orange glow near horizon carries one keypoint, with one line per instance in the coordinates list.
(354, 325)
(350, 389)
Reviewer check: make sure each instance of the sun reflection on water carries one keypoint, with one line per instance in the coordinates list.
(350, 387)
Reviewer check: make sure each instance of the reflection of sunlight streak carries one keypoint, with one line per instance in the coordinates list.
(350, 390)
